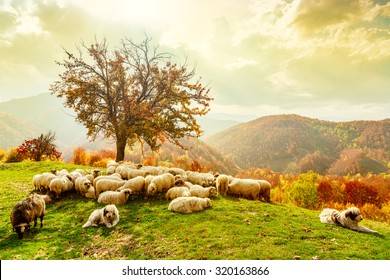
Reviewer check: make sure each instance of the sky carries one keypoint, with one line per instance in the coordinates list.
(325, 59)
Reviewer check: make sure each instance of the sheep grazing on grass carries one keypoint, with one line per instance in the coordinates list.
(200, 191)
(82, 185)
(176, 192)
(114, 197)
(61, 184)
(247, 188)
(222, 183)
(189, 204)
(108, 185)
(90, 193)
(42, 181)
(161, 183)
(26, 211)
(136, 185)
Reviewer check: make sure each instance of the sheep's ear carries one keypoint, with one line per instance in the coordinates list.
(70, 178)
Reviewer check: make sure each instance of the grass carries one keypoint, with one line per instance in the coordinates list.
(234, 229)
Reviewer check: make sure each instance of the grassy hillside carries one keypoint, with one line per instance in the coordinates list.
(231, 229)
(293, 143)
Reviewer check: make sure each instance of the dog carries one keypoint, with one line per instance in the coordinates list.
(108, 216)
(348, 218)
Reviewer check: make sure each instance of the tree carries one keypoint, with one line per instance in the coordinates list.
(39, 148)
(132, 94)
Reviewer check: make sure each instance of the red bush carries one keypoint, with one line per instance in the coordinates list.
(359, 194)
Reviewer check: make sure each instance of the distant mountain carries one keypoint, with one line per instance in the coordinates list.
(25, 118)
(292, 143)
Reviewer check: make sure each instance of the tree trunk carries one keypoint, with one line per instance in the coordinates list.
(120, 149)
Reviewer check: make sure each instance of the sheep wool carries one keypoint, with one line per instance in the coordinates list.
(161, 183)
(176, 192)
(199, 191)
(114, 197)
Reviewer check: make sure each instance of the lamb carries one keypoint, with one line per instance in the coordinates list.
(61, 184)
(108, 185)
(160, 183)
(26, 211)
(189, 204)
(265, 190)
(247, 188)
(199, 191)
(114, 197)
(176, 192)
(82, 185)
(222, 183)
(136, 185)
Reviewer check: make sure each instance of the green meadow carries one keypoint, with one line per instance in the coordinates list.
(233, 229)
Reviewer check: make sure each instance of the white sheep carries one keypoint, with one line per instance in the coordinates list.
(136, 185)
(43, 181)
(222, 183)
(90, 193)
(200, 191)
(176, 192)
(189, 204)
(196, 178)
(160, 183)
(115, 176)
(36, 181)
(61, 184)
(151, 170)
(82, 185)
(247, 188)
(114, 197)
(108, 185)
(132, 173)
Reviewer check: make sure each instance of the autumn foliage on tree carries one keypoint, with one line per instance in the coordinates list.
(39, 148)
(132, 94)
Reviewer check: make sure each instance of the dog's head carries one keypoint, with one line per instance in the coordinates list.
(353, 213)
(110, 213)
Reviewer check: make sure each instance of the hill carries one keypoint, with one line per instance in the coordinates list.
(25, 118)
(293, 143)
(232, 229)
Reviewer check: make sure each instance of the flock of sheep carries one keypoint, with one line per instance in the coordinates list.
(188, 191)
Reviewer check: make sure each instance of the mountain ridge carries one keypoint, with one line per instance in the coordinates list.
(293, 143)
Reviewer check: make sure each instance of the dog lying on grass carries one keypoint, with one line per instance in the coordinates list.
(108, 216)
(348, 218)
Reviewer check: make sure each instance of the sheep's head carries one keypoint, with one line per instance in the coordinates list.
(152, 189)
(21, 229)
(213, 191)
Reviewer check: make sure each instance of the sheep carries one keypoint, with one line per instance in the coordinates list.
(247, 188)
(176, 171)
(82, 185)
(196, 178)
(209, 178)
(151, 170)
(26, 211)
(160, 183)
(199, 191)
(222, 183)
(108, 185)
(115, 176)
(114, 197)
(265, 190)
(61, 184)
(111, 167)
(176, 192)
(189, 204)
(44, 180)
(62, 172)
(36, 181)
(90, 193)
(132, 173)
(81, 171)
(136, 185)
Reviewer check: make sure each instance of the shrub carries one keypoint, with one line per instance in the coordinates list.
(359, 194)
(12, 156)
(39, 148)
(303, 194)
(2, 154)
